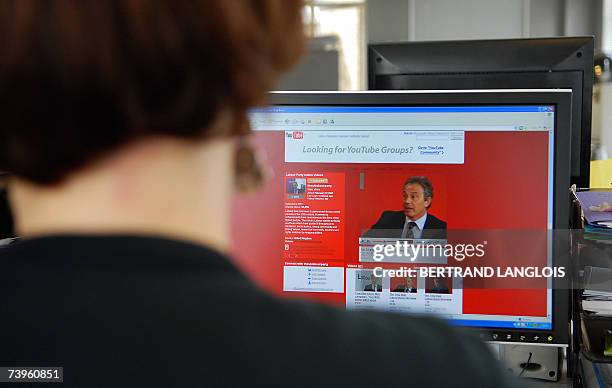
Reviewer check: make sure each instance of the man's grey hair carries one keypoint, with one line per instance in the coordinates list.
(428, 191)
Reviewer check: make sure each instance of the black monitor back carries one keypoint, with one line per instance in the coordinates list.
(496, 64)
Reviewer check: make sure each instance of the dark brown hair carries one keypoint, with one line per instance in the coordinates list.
(80, 78)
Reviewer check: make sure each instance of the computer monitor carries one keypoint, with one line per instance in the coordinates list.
(343, 170)
(565, 62)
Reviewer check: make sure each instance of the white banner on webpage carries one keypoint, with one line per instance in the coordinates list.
(436, 147)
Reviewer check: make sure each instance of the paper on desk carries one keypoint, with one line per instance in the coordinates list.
(599, 307)
(597, 283)
(596, 206)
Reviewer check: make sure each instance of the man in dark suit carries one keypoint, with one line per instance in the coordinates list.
(414, 221)
(373, 286)
(292, 187)
(438, 287)
(408, 286)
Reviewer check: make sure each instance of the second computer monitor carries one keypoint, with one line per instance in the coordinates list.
(563, 62)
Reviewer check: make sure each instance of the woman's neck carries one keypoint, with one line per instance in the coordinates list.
(160, 186)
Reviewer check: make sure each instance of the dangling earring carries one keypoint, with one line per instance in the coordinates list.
(249, 174)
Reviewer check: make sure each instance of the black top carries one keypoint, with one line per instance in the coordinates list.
(391, 224)
(6, 218)
(139, 311)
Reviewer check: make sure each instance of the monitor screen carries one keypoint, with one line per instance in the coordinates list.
(344, 180)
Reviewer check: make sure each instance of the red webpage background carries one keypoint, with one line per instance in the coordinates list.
(501, 185)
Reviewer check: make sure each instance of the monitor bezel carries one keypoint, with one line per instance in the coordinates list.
(560, 98)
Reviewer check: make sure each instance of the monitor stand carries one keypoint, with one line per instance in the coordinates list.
(534, 361)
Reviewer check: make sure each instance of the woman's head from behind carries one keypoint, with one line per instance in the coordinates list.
(82, 80)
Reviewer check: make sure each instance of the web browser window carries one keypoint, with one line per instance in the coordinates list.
(360, 199)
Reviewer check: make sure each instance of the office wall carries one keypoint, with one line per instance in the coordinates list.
(547, 18)
(387, 20)
(584, 17)
(602, 119)
(308, 74)
(318, 70)
(467, 19)
(404, 20)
